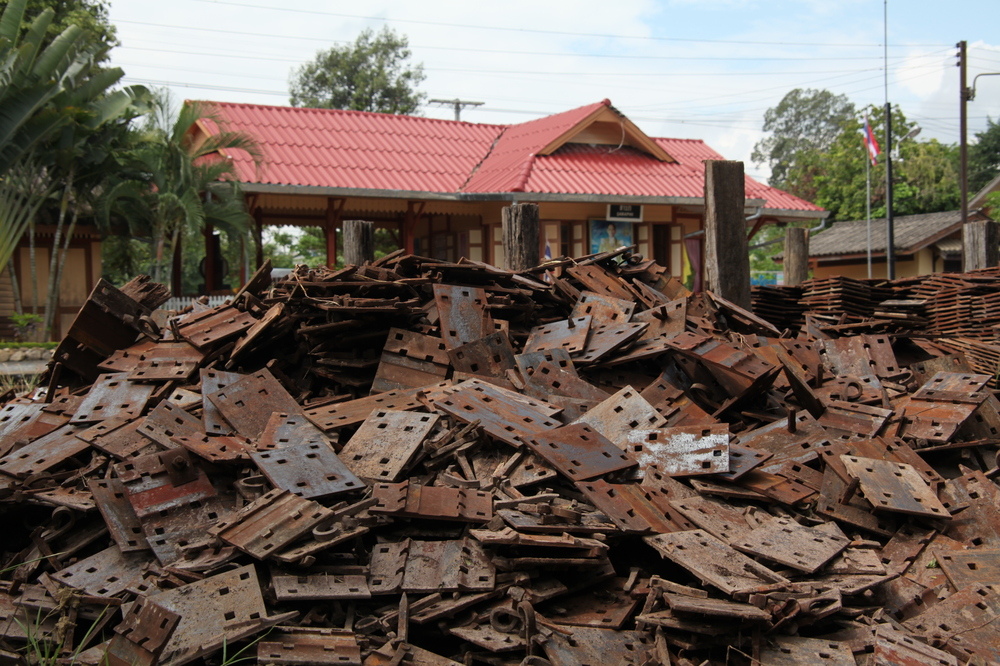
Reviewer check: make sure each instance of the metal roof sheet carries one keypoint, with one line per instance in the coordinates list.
(910, 233)
(353, 149)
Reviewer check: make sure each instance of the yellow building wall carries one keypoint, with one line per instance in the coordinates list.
(922, 263)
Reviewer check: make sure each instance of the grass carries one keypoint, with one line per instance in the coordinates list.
(20, 383)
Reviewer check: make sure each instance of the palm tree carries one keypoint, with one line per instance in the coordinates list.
(183, 184)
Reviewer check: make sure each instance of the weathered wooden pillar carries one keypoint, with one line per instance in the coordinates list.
(258, 235)
(520, 236)
(359, 242)
(980, 245)
(796, 260)
(727, 258)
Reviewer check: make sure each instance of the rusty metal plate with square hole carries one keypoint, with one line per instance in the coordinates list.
(26, 422)
(505, 415)
(799, 651)
(106, 573)
(604, 340)
(577, 646)
(579, 452)
(218, 449)
(491, 356)
(289, 429)
(964, 624)
(119, 516)
(207, 328)
(683, 450)
(894, 648)
(319, 586)
(462, 314)
(567, 334)
(430, 566)
(719, 519)
(330, 417)
(977, 566)
(797, 546)
(160, 481)
(619, 415)
(168, 420)
(142, 635)
(113, 396)
(171, 532)
(386, 442)
(713, 561)
(311, 470)
(411, 500)
(214, 610)
(271, 522)
(44, 453)
(247, 404)
(952, 387)
(213, 381)
(628, 506)
(410, 360)
(892, 486)
(315, 646)
(604, 310)
(120, 438)
(601, 281)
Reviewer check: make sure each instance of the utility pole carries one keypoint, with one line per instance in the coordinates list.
(890, 240)
(459, 104)
(963, 151)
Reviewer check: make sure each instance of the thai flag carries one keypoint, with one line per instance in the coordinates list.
(548, 252)
(871, 142)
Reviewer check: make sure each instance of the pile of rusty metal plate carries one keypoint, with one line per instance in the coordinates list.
(418, 462)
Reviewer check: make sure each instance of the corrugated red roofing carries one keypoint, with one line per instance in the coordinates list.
(353, 149)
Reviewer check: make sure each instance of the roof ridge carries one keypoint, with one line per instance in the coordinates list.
(489, 152)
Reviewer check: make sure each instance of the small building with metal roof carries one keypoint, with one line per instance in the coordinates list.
(439, 185)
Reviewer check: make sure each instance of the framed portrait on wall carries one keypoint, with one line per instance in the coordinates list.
(608, 236)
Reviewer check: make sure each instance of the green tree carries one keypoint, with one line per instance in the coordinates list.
(925, 175)
(984, 157)
(372, 74)
(89, 15)
(179, 183)
(804, 120)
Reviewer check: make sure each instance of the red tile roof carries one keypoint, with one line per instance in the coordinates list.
(353, 149)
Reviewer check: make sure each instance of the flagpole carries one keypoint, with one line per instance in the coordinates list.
(868, 207)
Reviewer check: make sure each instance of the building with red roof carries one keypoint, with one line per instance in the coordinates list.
(440, 185)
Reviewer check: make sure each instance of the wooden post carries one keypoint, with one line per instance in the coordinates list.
(258, 236)
(727, 258)
(359, 242)
(796, 259)
(330, 230)
(520, 236)
(980, 245)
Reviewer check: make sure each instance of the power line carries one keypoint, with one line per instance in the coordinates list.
(548, 32)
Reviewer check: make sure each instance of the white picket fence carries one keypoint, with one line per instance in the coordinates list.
(181, 302)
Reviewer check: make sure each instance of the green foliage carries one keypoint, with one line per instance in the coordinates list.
(804, 120)
(925, 173)
(90, 15)
(25, 324)
(984, 157)
(372, 74)
(174, 185)
(288, 247)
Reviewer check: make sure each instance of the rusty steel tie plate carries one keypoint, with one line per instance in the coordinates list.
(430, 566)
(319, 586)
(330, 417)
(505, 415)
(272, 521)
(799, 651)
(579, 452)
(713, 561)
(310, 470)
(892, 486)
(682, 450)
(627, 505)
(113, 396)
(213, 381)
(603, 340)
(44, 453)
(786, 542)
(105, 573)
(119, 516)
(410, 360)
(207, 328)
(567, 334)
(620, 415)
(169, 420)
(139, 640)
(160, 481)
(490, 356)
(410, 500)
(605, 310)
(247, 404)
(462, 314)
(386, 442)
(287, 429)
(312, 646)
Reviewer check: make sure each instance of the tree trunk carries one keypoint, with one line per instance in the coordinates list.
(520, 237)
(16, 286)
(359, 242)
(980, 245)
(57, 258)
(33, 267)
(727, 257)
(796, 258)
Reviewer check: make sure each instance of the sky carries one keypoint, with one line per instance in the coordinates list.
(702, 69)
